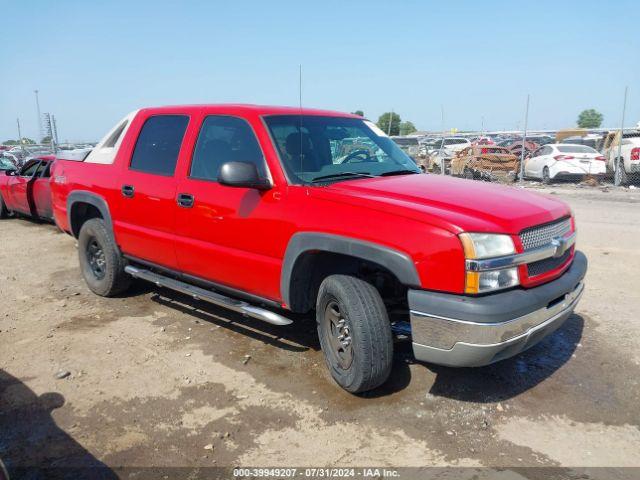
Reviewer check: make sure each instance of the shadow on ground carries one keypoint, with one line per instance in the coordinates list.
(300, 336)
(32, 446)
(493, 383)
(513, 376)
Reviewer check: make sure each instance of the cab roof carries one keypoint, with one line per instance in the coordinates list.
(239, 108)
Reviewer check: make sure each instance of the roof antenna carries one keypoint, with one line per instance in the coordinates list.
(300, 110)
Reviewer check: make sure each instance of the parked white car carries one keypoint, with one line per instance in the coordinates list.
(564, 161)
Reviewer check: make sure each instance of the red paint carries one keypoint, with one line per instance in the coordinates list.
(28, 195)
(238, 236)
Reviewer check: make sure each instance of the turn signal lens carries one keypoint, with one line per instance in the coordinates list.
(481, 282)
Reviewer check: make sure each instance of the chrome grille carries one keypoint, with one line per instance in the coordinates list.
(546, 265)
(542, 235)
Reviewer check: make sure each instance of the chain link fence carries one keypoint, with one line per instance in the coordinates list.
(580, 156)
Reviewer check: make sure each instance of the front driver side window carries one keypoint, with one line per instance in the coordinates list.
(224, 139)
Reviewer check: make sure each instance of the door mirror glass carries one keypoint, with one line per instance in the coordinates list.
(242, 174)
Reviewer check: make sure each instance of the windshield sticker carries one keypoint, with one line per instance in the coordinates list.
(375, 128)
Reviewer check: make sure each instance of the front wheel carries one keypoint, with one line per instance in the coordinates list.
(4, 213)
(355, 333)
(546, 176)
(101, 263)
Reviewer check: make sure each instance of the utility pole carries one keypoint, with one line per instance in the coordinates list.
(39, 117)
(482, 126)
(524, 140)
(390, 120)
(617, 178)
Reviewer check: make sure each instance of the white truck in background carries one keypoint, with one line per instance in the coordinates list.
(623, 155)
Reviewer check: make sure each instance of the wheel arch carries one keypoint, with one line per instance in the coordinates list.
(297, 277)
(84, 205)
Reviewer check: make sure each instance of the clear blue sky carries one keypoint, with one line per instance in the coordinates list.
(95, 61)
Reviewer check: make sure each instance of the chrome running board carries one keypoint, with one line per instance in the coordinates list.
(215, 298)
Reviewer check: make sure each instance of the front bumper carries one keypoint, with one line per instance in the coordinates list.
(462, 331)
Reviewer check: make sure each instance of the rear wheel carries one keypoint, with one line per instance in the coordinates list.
(468, 174)
(546, 176)
(101, 263)
(355, 333)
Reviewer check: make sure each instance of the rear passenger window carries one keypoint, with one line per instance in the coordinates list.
(158, 144)
(224, 139)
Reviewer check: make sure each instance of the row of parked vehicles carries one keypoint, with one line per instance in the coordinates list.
(569, 156)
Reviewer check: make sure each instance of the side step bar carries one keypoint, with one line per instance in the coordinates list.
(215, 298)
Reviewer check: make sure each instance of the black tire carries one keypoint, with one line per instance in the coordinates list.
(468, 174)
(101, 263)
(368, 331)
(4, 213)
(546, 177)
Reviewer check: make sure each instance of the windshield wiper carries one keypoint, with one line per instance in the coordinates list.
(397, 172)
(342, 174)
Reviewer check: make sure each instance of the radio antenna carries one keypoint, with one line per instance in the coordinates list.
(300, 112)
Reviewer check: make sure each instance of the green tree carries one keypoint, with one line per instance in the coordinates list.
(407, 128)
(385, 119)
(590, 119)
(358, 112)
(46, 140)
(25, 141)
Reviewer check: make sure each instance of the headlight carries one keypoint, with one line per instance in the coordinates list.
(488, 245)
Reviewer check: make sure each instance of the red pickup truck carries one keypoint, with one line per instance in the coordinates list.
(266, 210)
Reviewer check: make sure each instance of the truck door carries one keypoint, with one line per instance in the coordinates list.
(145, 218)
(18, 188)
(228, 235)
(41, 191)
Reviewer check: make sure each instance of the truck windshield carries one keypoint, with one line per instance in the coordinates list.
(317, 149)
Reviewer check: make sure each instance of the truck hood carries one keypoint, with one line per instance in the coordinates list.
(455, 204)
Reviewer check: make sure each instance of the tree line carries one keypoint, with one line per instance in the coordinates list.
(392, 124)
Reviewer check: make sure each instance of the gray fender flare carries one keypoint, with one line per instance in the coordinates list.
(82, 196)
(397, 262)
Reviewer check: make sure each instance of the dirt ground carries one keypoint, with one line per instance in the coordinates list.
(157, 379)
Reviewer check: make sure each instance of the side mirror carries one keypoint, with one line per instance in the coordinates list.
(242, 174)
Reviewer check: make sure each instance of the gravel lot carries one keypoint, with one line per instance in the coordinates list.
(156, 379)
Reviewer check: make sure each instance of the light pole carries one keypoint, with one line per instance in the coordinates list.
(617, 176)
(440, 154)
(524, 140)
(20, 135)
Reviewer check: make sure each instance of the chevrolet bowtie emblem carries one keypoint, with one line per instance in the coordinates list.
(560, 245)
